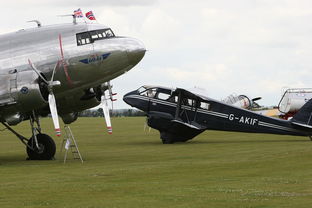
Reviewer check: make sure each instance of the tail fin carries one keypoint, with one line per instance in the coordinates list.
(304, 116)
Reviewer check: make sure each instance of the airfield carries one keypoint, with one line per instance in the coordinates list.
(132, 168)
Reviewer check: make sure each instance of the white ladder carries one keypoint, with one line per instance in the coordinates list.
(69, 142)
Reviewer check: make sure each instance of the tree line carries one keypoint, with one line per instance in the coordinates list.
(113, 113)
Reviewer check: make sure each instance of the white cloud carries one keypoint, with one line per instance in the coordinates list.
(252, 47)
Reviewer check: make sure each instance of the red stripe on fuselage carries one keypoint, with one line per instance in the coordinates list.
(63, 62)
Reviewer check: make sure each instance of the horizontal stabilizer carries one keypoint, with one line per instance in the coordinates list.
(302, 125)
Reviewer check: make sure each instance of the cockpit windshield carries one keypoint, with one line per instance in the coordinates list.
(169, 95)
(149, 92)
(92, 36)
(155, 92)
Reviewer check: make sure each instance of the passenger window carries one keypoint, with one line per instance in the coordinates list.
(173, 99)
(163, 96)
(205, 106)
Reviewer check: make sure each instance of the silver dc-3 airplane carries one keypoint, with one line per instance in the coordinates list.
(180, 115)
(59, 70)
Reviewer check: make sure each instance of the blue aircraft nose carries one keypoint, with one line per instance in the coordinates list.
(135, 51)
(127, 99)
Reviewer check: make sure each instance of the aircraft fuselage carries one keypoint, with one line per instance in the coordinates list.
(88, 55)
(180, 117)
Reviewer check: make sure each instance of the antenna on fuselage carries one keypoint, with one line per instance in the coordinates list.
(36, 21)
(70, 15)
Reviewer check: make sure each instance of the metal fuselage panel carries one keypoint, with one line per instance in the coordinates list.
(86, 66)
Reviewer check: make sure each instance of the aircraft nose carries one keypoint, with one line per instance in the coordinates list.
(136, 51)
(127, 99)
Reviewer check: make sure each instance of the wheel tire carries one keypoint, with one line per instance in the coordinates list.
(48, 148)
(167, 141)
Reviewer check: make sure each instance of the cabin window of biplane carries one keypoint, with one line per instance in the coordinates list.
(204, 105)
(91, 36)
(163, 96)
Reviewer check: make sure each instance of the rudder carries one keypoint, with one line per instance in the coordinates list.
(304, 115)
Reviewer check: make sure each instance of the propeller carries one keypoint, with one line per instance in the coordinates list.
(51, 97)
(256, 99)
(104, 105)
(101, 96)
(111, 94)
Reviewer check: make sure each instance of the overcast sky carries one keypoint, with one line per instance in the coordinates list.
(252, 47)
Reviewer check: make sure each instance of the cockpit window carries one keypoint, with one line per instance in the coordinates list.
(91, 36)
(151, 92)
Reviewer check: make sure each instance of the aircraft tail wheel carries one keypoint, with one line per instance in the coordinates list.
(310, 138)
(46, 149)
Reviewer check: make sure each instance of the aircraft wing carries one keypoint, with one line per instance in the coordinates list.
(192, 125)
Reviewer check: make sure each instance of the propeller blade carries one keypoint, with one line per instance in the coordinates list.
(37, 71)
(256, 99)
(53, 109)
(106, 114)
(53, 72)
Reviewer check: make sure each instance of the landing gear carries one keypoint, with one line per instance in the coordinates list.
(310, 138)
(46, 150)
(166, 138)
(39, 146)
(167, 141)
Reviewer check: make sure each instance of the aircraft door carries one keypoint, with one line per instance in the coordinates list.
(187, 109)
(190, 109)
(8, 82)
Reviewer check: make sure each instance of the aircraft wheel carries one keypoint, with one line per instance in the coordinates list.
(46, 149)
(167, 141)
(166, 137)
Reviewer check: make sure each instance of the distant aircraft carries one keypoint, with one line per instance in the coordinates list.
(180, 115)
(292, 100)
(59, 69)
(242, 101)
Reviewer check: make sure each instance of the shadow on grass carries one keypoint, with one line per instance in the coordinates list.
(190, 142)
(12, 159)
(250, 141)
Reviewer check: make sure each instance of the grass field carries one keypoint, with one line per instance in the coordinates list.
(131, 168)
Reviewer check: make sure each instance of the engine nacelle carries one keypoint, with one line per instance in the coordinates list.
(69, 118)
(24, 89)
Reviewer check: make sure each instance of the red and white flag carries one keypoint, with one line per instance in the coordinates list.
(90, 15)
(78, 13)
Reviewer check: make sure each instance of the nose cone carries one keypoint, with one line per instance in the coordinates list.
(136, 51)
(126, 99)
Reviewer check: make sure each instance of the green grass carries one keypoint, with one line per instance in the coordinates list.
(131, 168)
